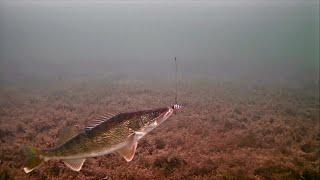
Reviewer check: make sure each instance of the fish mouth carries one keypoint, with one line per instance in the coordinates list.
(164, 116)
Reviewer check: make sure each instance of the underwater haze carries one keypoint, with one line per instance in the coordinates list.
(248, 79)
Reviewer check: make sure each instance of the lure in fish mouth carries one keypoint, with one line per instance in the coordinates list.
(111, 134)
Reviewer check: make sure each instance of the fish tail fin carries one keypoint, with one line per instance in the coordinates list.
(33, 160)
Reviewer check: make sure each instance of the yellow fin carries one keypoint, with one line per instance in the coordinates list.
(128, 151)
(32, 157)
(99, 121)
(74, 164)
(66, 134)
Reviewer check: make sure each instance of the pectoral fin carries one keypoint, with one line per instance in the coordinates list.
(128, 151)
(74, 164)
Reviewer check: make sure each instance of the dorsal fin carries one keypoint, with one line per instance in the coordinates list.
(99, 121)
(66, 134)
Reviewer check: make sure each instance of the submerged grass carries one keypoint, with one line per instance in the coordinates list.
(233, 133)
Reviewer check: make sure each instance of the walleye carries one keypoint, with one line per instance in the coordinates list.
(117, 134)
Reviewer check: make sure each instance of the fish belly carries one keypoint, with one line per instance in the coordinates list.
(94, 153)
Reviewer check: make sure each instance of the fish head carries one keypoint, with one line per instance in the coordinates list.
(163, 116)
(153, 118)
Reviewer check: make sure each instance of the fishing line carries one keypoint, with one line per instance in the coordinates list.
(176, 96)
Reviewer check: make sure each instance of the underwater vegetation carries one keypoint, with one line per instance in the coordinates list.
(226, 131)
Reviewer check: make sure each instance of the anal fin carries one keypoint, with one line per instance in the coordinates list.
(74, 164)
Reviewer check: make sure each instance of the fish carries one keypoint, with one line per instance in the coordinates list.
(118, 134)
